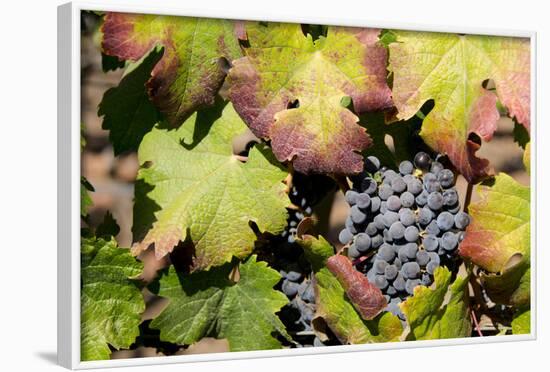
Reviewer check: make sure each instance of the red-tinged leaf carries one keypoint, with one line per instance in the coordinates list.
(451, 70)
(367, 299)
(334, 307)
(191, 70)
(289, 89)
(500, 226)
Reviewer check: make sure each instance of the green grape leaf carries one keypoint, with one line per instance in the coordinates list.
(451, 70)
(111, 302)
(208, 303)
(440, 312)
(335, 308)
(128, 112)
(85, 199)
(513, 285)
(192, 69)
(292, 90)
(500, 226)
(521, 324)
(205, 193)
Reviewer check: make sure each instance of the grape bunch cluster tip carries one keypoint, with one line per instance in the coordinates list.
(403, 224)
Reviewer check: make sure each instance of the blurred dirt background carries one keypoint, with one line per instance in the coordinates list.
(113, 177)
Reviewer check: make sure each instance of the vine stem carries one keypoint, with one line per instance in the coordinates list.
(476, 323)
(477, 293)
(468, 197)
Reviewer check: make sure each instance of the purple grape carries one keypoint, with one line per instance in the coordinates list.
(461, 220)
(368, 185)
(385, 191)
(435, 201)
(357, 216)
(397, 230)
(405, 167)
(394, 203)
(362, 200)
(446, 178)
(398, 185)
(407, 216)
(445, 221)
(406, 199)
(345, 236)
(411, 234)
(422, 161)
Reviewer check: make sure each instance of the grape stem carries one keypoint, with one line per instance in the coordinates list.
(342, 183)
(468, 197)
(476, 323)
(476, 288)
(289, 178)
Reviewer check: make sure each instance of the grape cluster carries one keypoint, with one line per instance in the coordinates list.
(299, 288)
(403, 225)
(295, 216)
(287, 257)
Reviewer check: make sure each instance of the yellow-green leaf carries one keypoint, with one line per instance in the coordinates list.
(521, 324)
(440, 312)
(500, 226)
(199, 191)
(499, 239)
(451, 70)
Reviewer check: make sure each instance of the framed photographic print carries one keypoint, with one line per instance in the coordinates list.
(235, 188)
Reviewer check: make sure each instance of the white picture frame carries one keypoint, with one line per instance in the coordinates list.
(68, 344)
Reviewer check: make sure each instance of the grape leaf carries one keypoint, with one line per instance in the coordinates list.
(451, 69)
(208, 303)
(85, 199)
(367, 299)
(205, 194)
(192, 68)
(440, 312)
(500, 226)
(128, 112)
(283, 68)
(521, 324)
(111, 303)
(334, 307)
(512, 286)
(498, 239)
